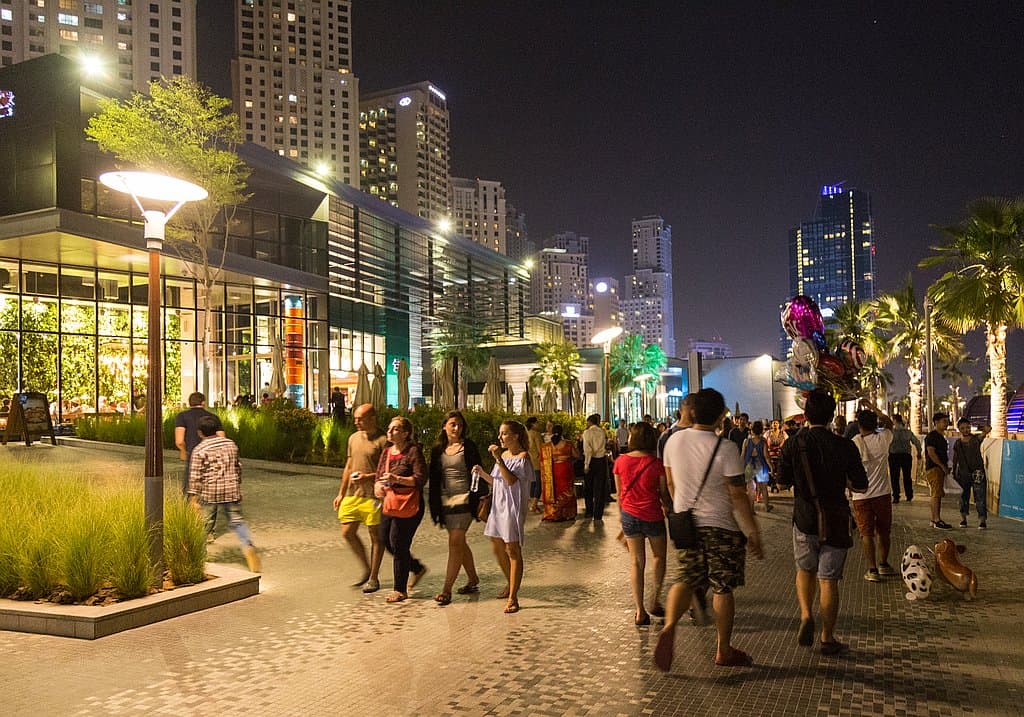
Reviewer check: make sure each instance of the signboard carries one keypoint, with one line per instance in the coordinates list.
(29, 416)
(1011, 480)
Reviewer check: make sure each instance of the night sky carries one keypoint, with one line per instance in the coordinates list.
(725, 118)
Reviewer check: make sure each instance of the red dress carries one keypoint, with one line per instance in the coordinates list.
(557, 481)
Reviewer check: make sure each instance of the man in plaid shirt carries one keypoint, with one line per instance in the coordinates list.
(215, 480)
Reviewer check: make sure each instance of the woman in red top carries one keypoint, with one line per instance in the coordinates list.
(643, 501)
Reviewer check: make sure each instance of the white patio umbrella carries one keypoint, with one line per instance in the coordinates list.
(377, 389)
(550, 402)
(447, 387)
(435, 386)
(510, 398)
(403, 385)
(492, 388)
(528, 399)
(362, 387)
(278, 385)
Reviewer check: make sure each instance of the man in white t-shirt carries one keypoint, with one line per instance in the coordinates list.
(719, 558)
(872, 509)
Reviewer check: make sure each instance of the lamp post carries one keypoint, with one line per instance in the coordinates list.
(642, 379)
(929, 379)
(604, 338)
(144, 185)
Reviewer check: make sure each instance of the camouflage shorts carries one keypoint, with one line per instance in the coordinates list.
(718, 562)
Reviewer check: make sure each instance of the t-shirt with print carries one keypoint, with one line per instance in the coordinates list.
(874, 454)
(364, 454)
(686, 455)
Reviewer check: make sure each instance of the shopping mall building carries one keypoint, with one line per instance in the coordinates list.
(316, 275)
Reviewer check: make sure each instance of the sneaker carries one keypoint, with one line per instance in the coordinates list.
(963, 523)
(252, 559)
(833, 647)
(872, 576)
(886, 569)
(941, 525)
(982, 526)
(895, 499)
(371, 586)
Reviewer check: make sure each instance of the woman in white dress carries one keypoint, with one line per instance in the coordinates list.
(510, 481)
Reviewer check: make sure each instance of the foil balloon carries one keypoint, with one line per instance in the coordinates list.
(830, 368)
(805, 352)
(961, 577)
(802, 319)
(852, 354)
(804, 376)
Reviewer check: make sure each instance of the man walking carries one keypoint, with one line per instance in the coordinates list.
(969, 470)
(820, 466)
(595, 468)
(215, 484)
(936, 465)
(355, 501)
(900, 460)
(720, 508)
(872, 509)
(186, 431)
(337, 405)
(740, 430)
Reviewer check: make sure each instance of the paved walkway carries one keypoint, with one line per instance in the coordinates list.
(311, 645)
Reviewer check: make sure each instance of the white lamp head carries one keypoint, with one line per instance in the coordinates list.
(147, 185)
(606, 336)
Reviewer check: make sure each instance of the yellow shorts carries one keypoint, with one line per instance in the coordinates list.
(354, 509)
(936, 478)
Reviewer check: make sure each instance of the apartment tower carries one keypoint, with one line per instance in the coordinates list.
(646, 302)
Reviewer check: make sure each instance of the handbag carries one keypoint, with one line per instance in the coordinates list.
(482, 498)
(483, 508)
(404, 504)
(682, 526)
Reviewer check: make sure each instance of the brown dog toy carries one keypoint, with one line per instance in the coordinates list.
(961, 577)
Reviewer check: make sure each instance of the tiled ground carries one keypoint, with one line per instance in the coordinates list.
(310, 644)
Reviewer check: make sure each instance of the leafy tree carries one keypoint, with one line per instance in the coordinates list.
(462, 345)
(181, 128)
(631, 357)
(557, 366)
(902, 329)
(984, 284)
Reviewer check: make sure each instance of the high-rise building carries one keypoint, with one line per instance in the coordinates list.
(128, 45)
(713, 348)
(517, 239)
(404, 148)
(646, 302)
(560, 287)
(479, 212)
(832, 255)
(292, 82)
(604, 302)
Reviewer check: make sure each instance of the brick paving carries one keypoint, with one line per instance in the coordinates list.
(310, 644)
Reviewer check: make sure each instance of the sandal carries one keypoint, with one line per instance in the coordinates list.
(396, 597)
(469, 589)
(503, 594)
(513, 606)
(737, 658)
(640, 620)
(443, 598)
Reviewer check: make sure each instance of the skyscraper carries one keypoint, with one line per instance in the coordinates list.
(479, 212)
(646, 302)
(560, 287)
(832, 255)
(128, 45)
(292, 82)
(404, 148)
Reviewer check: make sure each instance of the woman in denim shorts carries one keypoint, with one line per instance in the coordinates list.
(643, 502)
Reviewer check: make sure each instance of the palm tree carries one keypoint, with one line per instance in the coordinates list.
(461, 344)
(984, 284)
(856, 321)
(903, 335)
(557, 366)
(631, 357)
(951, 368)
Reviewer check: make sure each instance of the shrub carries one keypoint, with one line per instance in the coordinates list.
(184, 541)
(38, 567)
(131, 572)
(83, 542)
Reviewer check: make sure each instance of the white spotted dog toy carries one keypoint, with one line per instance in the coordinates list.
(916, 574)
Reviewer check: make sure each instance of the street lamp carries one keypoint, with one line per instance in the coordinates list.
(604, 338)
(929, 378)
(144, 185)
(642, 379)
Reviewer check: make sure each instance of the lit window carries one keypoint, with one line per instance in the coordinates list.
(6, 14)
(67, 19)
(293, 97)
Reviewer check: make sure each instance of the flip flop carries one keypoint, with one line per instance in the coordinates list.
(469, 589)
(806, 635)
(738, 658)
(512, 607)
(443, 598)
(663, 650)
(396, 597)
(416, 577)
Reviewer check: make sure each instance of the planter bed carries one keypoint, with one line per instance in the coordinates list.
(89, 622)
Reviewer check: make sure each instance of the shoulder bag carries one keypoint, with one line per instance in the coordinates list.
(682, 526)
(401, 501)
(833, 520)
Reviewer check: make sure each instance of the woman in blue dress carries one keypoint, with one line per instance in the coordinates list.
(510, 481)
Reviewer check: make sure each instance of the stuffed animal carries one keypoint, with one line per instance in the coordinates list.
(911, 554)
(961, 577)
(918, 578)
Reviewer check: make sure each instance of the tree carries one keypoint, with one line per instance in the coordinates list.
(903, 337)
(984, 285)
(631, 357)
(557, 366)
(952, 370)
(181, 128)
(462, 345)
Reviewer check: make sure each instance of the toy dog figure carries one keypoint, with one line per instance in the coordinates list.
(956, 573)
(918, 578)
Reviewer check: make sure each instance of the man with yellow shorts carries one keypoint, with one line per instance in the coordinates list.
(355, 501)
(936, 457)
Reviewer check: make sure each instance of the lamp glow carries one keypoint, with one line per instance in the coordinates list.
(148, 185)
(606, 336)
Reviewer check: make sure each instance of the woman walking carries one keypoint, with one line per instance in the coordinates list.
(510, 481)
(755, 464)
(401, 475)
(775, 438)
(643, 503)
(452, 504)
(557, 478)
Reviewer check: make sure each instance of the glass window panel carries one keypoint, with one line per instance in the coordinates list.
(77, 374)
(77, 317)
(112, 287)
(39, 279)
(115, 358)
(39, 363)
(113, 320)
(172, 370)
(267, 302)
(9, 366)
(9, 310)
(179, 292)
(39, 314)
(78, 283)
(239, 299)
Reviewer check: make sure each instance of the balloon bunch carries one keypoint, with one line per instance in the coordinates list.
(811, 365)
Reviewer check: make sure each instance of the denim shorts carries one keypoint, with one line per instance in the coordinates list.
(633, 527)
(824, 560)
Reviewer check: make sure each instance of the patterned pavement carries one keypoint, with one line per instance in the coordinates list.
(310, 644)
